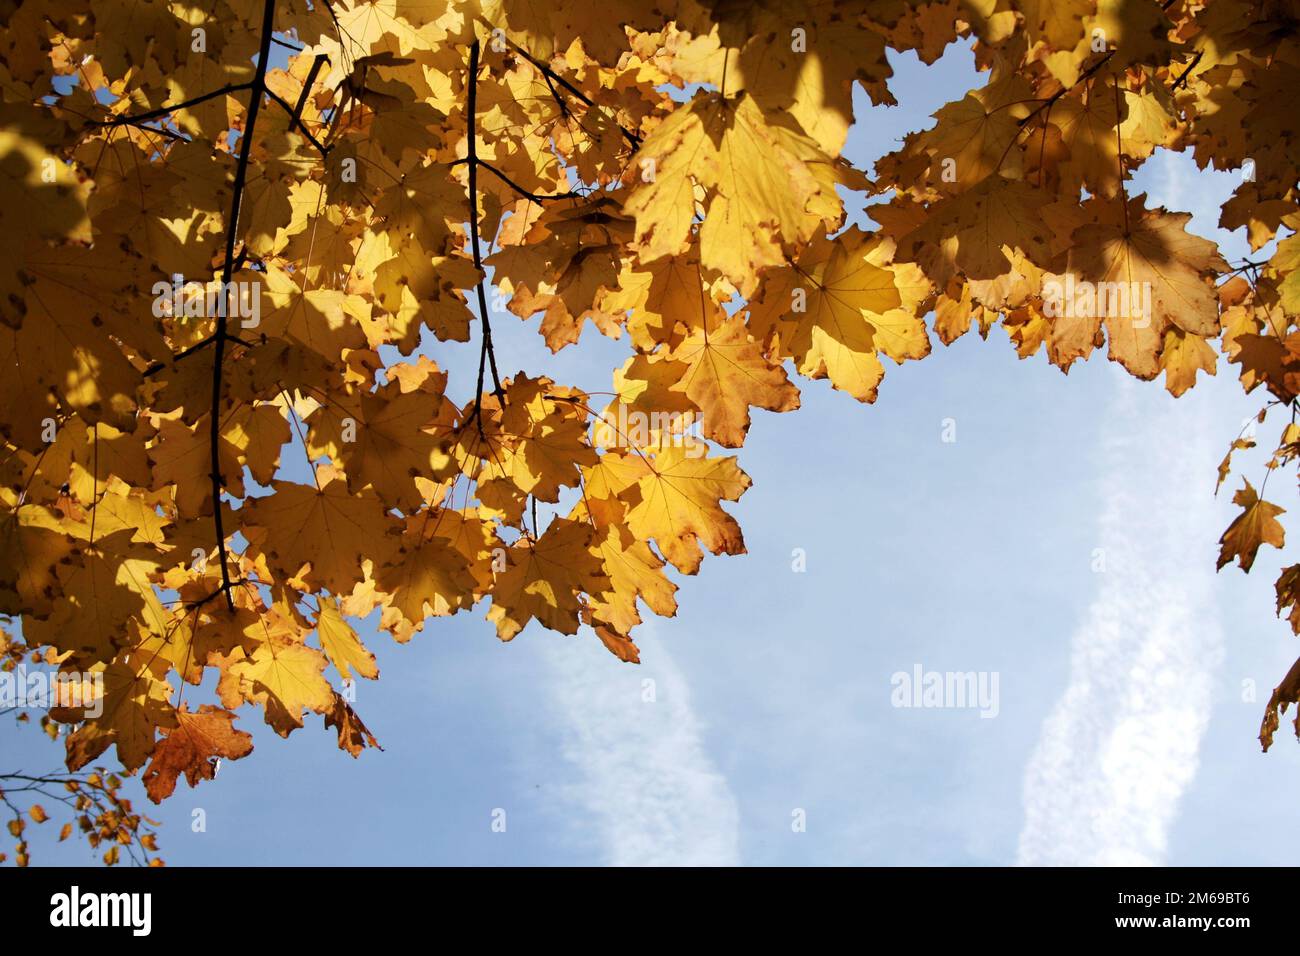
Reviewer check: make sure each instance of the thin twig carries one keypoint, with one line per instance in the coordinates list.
(535, 197)
(1047, 103)
(296, 120)
(633, 139)
(165, 110)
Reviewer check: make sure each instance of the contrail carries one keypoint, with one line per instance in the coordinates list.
(648, 789)
(1121, 746)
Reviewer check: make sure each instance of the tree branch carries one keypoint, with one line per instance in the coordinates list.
(221, 335)
(295, 112)
(139, 118)
(1182, 80)
(486, 354)
(296, 121)
(1051, 100)
(633, 139)
(535, 197)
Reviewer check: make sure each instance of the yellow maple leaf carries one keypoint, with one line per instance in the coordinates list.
(321, 533)
(768, 187)
(679, 503)
(341, 644)
(544, 580)
(282, 676)
(1256, 525)
(835, 309)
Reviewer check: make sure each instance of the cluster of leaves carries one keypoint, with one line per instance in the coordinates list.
(668, 171)
(90, 800)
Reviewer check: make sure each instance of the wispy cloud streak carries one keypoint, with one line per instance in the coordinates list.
(648, 789)
(1121, 746)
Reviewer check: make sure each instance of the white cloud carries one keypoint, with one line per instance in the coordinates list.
(1121, 746)
(647, 784)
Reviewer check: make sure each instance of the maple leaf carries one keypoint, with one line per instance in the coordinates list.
(1285, 694)
(635, 573)
(1288, 595)
(975, 134)
(812, 81)
(680, 502)
(132, 709)
(767, 184)
(722, 373)
(565, 262)
(341, 644)
(48, 194)
(1152, 275)
(354, 736)
(544, 580)
(662, 299)
(382, 441)
(1256, 525)
(533, 445)
(193, 748)
(725, 373)
(34, 542)
(428, 570)
(284, 677)
(834, 310)
(971, 233)
(323, 533)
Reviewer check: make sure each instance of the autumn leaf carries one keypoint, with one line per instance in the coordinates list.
(354, 736)
(321, 533)
(544, 580)
(341, 644)
(768, 186)
(193, 748)
(283, 677)
(835, 310)
(680, 505)
(1153, 276)
(1256, 525)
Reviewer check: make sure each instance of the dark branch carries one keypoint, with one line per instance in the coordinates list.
(162, 111)
(535, 197)
(295, 112)
(1187, 72)
(157, 367)
(633, 139)
(221, 336)
(486, 353)
(296, 121)
(1051, 100)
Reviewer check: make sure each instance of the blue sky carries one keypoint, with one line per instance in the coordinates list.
(1121, 733)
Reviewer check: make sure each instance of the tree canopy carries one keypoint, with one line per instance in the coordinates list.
(240, 230)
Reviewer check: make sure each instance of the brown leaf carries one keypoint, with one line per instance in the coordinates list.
(193, 748)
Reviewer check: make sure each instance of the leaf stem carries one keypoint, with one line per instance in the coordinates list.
(1119, 158)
